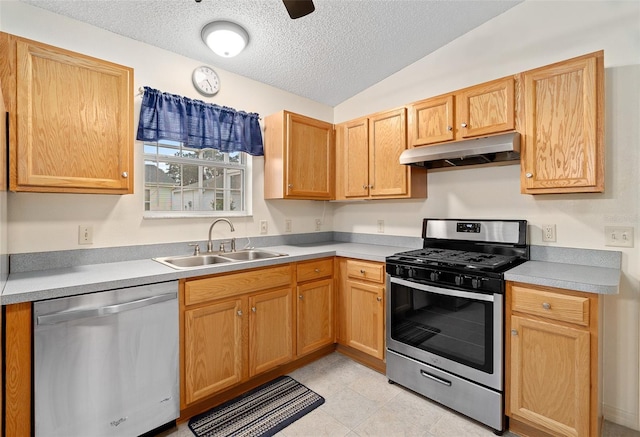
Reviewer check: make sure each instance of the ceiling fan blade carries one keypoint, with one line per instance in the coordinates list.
(299, 8)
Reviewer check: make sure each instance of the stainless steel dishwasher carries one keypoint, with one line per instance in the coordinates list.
(106, 364)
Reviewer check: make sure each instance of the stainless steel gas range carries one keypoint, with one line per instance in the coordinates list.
(445, 314)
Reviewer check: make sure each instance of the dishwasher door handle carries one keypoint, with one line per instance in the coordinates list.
(67, 316)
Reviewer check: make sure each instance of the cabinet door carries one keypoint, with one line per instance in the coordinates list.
(315, 316)
(74, 122)
(563, 139)
(270, 330)
(387, 140)
(486, 108)
(550, 367)
(212, 348)
(310, 151)
(366, 318)
(355, 152)
(431, 121)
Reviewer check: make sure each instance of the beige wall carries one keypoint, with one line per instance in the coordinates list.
(532, 34)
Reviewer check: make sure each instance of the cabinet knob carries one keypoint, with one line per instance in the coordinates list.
(449, 128)
(529, 175)
(363, 271)
(290, 185)
(514, 332)
(379, 299)
(546, 305)
(300, 297)
(464, 125)
(240, 313)
(253, 309)
(317, 270)
(125, 174)
(364, 187)
(371, 186)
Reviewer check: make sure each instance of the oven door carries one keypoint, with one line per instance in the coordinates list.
(458, 331)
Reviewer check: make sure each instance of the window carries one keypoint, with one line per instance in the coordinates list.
(182, 181)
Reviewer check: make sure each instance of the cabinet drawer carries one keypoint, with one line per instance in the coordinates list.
(556, 306)
(202, 290)
(367, 271)
(315, 269)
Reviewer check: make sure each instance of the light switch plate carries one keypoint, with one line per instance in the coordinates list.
(618, 236)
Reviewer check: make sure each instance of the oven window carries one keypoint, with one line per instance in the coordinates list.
(452, 327)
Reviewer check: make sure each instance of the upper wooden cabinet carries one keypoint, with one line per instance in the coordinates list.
(299, 157)
(71, 119)
(563, 137)
(482, 109)
(368, 164)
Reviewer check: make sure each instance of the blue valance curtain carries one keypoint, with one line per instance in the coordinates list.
(197, 124)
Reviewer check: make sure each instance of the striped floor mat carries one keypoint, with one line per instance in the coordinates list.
(263, 411)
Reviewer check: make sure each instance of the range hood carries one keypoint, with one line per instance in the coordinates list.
(495, 149)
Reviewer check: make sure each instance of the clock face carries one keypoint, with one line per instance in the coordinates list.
(206, 81)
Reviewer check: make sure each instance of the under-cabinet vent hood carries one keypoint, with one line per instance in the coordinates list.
(495, 149)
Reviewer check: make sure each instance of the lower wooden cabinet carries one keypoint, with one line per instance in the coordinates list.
(361, 306)
(234, 327)
(552, 361)
(315, 321)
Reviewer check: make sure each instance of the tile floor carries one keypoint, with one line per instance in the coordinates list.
(360, 402)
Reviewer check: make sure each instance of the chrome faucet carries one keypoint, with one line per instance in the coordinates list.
(210, 243)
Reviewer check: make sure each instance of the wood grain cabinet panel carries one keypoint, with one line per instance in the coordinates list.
(483, 109)
(553, 361)
(299, 157)
(71, 119)
(368, 159)
(564, 133)
(315, 322)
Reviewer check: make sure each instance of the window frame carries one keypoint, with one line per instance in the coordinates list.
(247, 184)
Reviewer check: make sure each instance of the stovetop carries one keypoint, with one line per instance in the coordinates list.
(461, 258)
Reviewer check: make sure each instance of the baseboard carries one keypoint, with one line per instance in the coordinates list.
(621, 417)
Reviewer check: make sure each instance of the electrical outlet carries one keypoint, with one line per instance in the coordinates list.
(381, 226)
(85, 234)
(318, 224)
(287, 225)
(264, 226)
(618, 236)
(548, 232)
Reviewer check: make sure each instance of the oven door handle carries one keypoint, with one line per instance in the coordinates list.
(444, 291)
(435, 378)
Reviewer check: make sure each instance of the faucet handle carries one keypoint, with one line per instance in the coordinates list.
(196, 248)
(222, 249)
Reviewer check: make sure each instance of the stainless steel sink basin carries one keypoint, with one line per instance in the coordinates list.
(192, 261)
(189, 261)
(250, 254)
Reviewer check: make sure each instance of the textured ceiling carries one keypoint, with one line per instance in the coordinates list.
(342, 48)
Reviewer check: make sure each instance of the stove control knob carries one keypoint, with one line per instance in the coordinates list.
(476, 282)
(410, 272)
(459, 280)
(434, 276)
(398, 271)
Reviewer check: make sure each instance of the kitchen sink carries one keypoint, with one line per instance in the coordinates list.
(192, 261)
(250, 254)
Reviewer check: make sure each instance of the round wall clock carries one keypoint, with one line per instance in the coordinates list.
(206, 81)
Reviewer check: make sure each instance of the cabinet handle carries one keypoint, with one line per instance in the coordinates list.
(300, 297)
(317, 270)
(240, 313)
(125, 174)
(529, 175)
(449, 128)
(253, 309)
(464, 125)
(514, 332)
(379, 299)
(546, 305)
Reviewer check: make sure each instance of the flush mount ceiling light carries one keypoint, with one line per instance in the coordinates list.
(225, 38)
